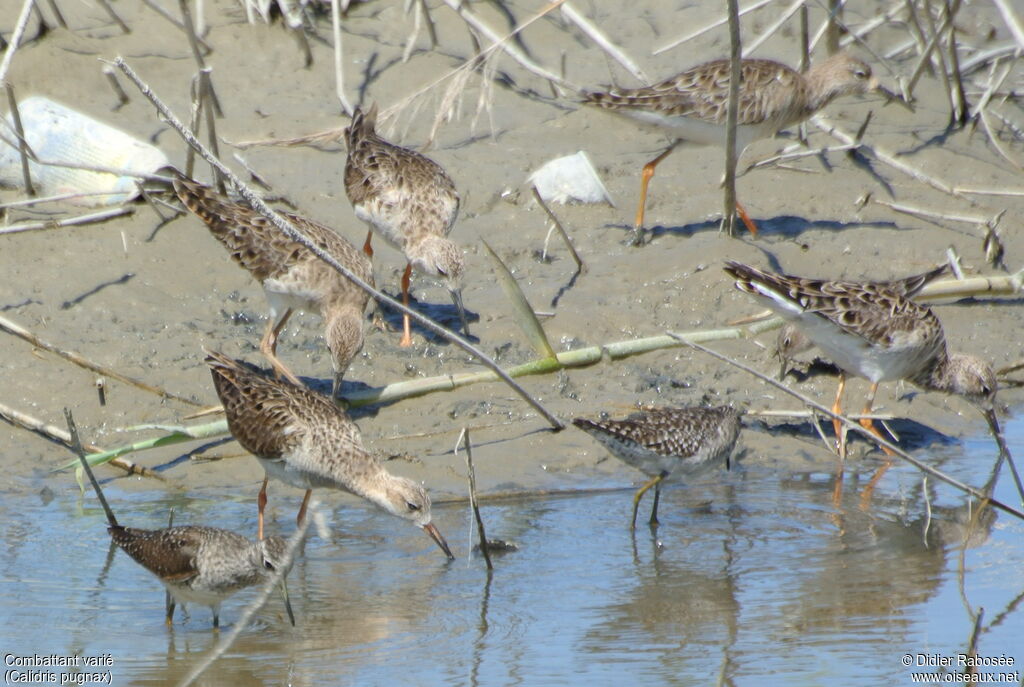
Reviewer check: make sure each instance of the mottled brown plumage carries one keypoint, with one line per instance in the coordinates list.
(410, 201)
(291, 275)
(874, 330)
(692, 106)
(203, 565)
(303, 439)
(667, 443)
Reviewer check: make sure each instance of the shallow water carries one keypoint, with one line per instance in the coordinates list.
(755, 575)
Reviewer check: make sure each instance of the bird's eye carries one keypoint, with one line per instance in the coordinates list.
(860, 74)
(412, 506)
(442, 272)
(268, 565)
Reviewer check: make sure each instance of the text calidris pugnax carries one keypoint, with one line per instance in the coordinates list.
(303, 439)
(667, 443)
(692, 106)
(292, 276)
(410, 201)
(875, 331)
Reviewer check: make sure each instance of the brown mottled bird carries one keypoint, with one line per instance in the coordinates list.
(196, 564)
(292, 276)
(692, 106)
(667, 443)
(304, 439)
(873, 330)
(410, 201)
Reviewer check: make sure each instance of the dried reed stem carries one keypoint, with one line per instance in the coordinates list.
(257, 203)
(91, 218)
(704, 29)
(602, 41)
(113, 15)
(12, 45)
(775, 26)
(181, 27)
(19, 130)
(339, 72)
(33, 424)
(463, 440)
(735, 54)
(561, 229)
(22, 333)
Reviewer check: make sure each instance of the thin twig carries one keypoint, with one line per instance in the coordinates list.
(339, 72)
(170, 17)
(115, 85)
(113, 15)
(704, 29)
(76, 447)
(12, 45)
(561, 229)
(90, 218)
(193, 43)
(735, 55)
(257, 203)
(22, 333)
(22, 141)
(595, 34)
(34, 424)
(463, 440)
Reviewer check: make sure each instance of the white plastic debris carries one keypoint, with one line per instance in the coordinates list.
(570, 178)
(56, 133)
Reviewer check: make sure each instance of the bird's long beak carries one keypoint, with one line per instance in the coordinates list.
(457, 300)
(891, 97)
(1004, 451)
(436, 536)
(287, 601)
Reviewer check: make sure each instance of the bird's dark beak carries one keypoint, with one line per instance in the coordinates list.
(436, 536)
(287, 601)
(891, 97)
(457, 300)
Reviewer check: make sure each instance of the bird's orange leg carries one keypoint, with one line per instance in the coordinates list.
(406, 325)
(261, 502)
(867, 423)
(367, 248)
(751, 227)
(645, 179)
(302, 509)
(837, 426)
(268, 347)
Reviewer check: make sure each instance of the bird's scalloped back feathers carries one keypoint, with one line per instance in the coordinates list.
(169, 554)
(668, 431)
(259, 246)
(266, 415)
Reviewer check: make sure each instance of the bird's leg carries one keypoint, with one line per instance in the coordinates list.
(216, 621)
(645, 179)
(837, 425)
(261, 502)
(867, 423)
(653, 522)
(639, 495)
(169, 605)
(406, 325)
(302, 509)
(268, 347)
(367, 248)
(751, 227)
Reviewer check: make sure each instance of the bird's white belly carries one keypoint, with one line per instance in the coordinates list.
(283, 471)
(282, 297)
(385, 221)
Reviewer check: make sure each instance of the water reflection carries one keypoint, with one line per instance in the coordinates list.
(756, 575)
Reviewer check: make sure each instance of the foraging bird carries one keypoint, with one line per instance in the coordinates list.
(874, 330)
(667, 443)
(792, 341)
(693, 105)
(303, 439)
(292, 276)
(196, 564)
(410, 201)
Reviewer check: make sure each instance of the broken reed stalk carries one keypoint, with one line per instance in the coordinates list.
(206, 91)
(32, 424)
(471, 475)
(257, 204)
(181, 27)
(704, 29)
(115, 85)
(580, 357)
(22, 333)
(22, 142)
(90, 218)
(851, 425)
(602, 41)
(735, 54)
(197, 55)
(113, 15)
(561, 229)
(12, 45)
(775, 26)
(339, 72)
